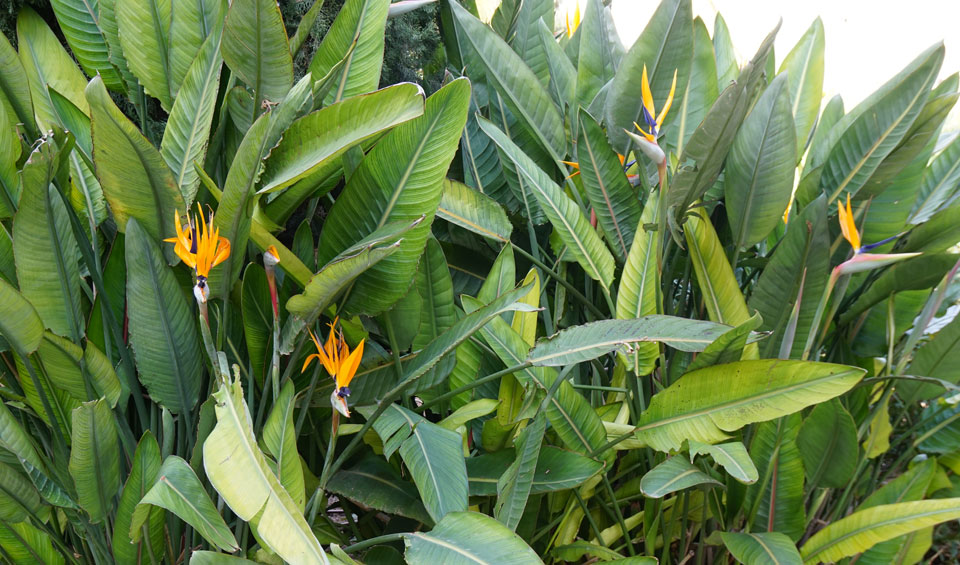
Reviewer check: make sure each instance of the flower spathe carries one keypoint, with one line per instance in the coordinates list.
(199, 246)
(573, 18)
(341, 364)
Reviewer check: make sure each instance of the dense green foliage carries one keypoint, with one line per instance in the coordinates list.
(263, 299)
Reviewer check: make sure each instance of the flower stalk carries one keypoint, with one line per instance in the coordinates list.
(270, 260)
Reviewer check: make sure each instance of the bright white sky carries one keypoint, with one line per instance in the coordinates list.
(867, 41)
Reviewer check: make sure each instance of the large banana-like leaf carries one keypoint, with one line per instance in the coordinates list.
(828, 445)
(46, 63)
(24, 543)
(111, 34)
(938, 358)
(343, 269)
(607, 187)
(865, 528)
(143, 474)
(192, 22)
(162, 327)
(178, 490)
(435, 287)
(44, 247)
(188, 126)
(577, 344)
(144, 31)
(357, 36)
(434, 456)
(758, 180)
(15, 87)
(637, 294)
(800, 263)
(281, 442)
(214, 558)
(764, 548)
(374, 482)
(135, 179)
(255, 47)
(62, 360)
(312, 146)
(563, 75)
(775, 501)
(665, 47)
(524, 37)
(400, 179)
(472, 210)
(570, 414)
(238, 471)
(866, 135)
(10, 151)
(939, 183)
(468, 538)
(918, 273)
(721, 293)
(804, 67)
(706, 404)
(701, 91)
(597, 62)
(674, 474)
(80, 22)
(506, 72)
(575, 231)
(516, 483)
(18, 497)
(95, 458)
(482, 170)
(14, 438)
(557, 469)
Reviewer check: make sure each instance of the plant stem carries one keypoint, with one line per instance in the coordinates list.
(386, 538)
(561, 280)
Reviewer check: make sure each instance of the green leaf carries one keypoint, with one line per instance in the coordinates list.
(606, 186)
(255, 47)
(939, 183)
(178, 490)
(162, 326)
(144, 31)
(343, 269)
(828, 445)
(357, 38)
(766, 548)
(214, 558)
(312, 146)
(10, 150)
(46, 63)
(698, 407)
(938, 358)
(524, 37)
(516, 483)
(665, 47)
(188, 126)
(728, 347)
(80, 22)
(732, 456)
(135, 179)
(775, 501)
(869, 132)
(706, 151)
(721, 293)
(557, 469)
(863, 529)
(637, 294)
(15, 88)
(257, 319)
(374, 483)
(469, 411)
(62, 359)
(25, 544)
(13, 437)
(506, 72)
(804, 67)
(280, 440)
(701, 92)
(435, 288)
(801, 262)
(674, 474)
(563, 76)
(472, 210)
(18, 497)
(589, 341)
(401, 179)
(44, 247)
(95, 458)
(759, 174)
(468, 538)
(191, 24)
(597, 64)
(917, 273)
(238, 471)
(727, 67)
(144, 472)
(581, 239)
(570, 414)
(20, 324)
